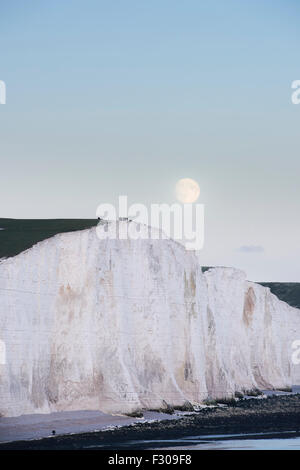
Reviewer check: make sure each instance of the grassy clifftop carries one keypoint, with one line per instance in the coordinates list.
(289, 292)
(17, 235)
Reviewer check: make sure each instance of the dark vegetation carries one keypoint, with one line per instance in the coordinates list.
(289, 292)
(19, 235)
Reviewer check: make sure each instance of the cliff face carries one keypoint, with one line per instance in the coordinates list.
(251, 332)
(117, 325)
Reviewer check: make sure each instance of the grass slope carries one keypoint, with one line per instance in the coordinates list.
(19, 235)
(289, 292)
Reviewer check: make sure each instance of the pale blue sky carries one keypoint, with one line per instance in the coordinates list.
(126, 97)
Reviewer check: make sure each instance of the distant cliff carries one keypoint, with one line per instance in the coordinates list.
(289, 292)
(118, 325)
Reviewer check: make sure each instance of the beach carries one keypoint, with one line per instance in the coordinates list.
(271, 416)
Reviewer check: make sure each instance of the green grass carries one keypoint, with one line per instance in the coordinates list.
(289, 292)
(205, 268)
(19, 235)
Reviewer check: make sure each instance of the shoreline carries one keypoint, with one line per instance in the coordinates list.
(274, 414)
(34, 427)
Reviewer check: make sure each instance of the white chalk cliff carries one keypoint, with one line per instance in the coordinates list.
(117, 325)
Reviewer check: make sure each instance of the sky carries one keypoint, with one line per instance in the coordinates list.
(106, 98)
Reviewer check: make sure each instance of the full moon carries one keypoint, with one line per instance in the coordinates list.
(187, 190)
